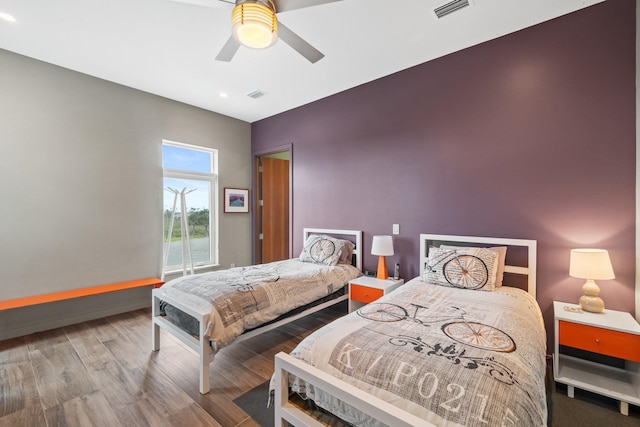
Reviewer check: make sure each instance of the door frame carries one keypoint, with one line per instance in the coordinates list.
(254, 213)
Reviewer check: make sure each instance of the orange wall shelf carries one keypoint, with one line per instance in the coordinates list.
(77, 293)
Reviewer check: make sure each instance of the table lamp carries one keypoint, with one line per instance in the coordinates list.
(591, 264)
(382, 246)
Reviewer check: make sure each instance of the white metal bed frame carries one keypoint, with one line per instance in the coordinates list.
(202, 345)
(285, 364)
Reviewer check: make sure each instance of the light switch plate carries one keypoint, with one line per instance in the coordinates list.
(396, 228)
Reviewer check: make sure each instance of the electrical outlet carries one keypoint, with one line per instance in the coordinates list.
(396, 228)
(233, 264)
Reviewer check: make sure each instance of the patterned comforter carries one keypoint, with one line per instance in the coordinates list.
(453, 357)
(243, 298)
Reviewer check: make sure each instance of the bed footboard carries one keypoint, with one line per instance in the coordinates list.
(285, 412)
(200, 345)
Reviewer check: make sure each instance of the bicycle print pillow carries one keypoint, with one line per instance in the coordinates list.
(321, 249)
(502, 257)
(467, 268)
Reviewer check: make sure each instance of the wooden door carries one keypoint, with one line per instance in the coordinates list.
(274, 210)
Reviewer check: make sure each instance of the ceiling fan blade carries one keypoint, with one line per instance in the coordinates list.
(286, 5)
(228, 50)
(207, 3)
(312, 54)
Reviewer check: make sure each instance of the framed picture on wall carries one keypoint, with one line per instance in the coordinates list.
(236, 200)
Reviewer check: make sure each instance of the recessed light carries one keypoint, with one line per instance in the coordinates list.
(223, 95)
(6, 17)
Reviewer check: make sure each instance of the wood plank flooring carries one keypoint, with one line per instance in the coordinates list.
(103, 373)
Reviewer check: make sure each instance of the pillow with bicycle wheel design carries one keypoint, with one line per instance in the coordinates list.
(468, 268)
(321, 249)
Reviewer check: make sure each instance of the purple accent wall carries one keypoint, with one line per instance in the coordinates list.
(531, 135)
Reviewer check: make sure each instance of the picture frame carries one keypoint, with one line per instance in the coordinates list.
(236, 200)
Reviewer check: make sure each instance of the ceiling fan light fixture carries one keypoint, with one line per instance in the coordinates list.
(255, 24)
(6, 17)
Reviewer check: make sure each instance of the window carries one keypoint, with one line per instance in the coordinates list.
(190, 175)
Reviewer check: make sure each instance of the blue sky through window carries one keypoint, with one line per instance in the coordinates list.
(186, 159)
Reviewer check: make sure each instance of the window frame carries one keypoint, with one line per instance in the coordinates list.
(212, 179)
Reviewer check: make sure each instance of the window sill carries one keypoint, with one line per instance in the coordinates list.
(172, 274)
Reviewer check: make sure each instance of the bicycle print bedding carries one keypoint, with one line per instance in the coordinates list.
(242, 298)
(453, 357)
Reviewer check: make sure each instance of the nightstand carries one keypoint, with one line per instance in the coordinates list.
(612, 333)
(364, 290)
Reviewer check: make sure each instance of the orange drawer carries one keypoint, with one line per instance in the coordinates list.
(365, 294)
(603, 341)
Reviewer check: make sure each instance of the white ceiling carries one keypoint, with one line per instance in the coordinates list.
(168, 48)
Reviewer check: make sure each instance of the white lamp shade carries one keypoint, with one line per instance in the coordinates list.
(590, 264)
(382, 246)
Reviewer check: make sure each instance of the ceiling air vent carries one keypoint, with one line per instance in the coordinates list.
(256, 94)
(450, 7)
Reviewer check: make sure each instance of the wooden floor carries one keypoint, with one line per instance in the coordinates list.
(103, 373)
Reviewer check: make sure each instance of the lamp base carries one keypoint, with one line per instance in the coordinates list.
(592, 304)
(383, 274)
(590, 301)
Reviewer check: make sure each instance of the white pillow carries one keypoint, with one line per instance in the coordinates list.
(468, 268)
(346, 253)
(502, 257)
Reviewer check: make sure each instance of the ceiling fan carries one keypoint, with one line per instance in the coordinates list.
(255, 25)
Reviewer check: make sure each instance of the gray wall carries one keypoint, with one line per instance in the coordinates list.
(81, 188)
(531, 135)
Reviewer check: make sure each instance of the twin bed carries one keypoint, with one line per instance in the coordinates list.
(210, 311)
(452, 347)
(456, 346)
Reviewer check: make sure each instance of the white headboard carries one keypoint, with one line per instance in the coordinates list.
(426, 240)
(354, 236)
